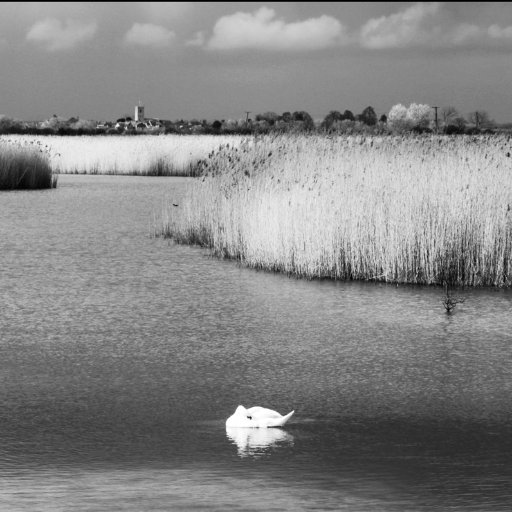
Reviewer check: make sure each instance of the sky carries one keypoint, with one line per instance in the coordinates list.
(208, 60)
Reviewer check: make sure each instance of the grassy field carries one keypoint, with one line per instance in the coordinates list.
(25, 166)
(427, 210)
(145, 155)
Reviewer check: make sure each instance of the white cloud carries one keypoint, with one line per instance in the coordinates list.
(427, 25)
(147, 34)
(55, 35)
(409, 27)
(497, 32)
(198, 40)
(261, 30)
(469, 35)
(464, 34)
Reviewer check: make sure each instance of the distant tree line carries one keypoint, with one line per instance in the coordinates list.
(421, 118)
(55, 125)
(416, 118)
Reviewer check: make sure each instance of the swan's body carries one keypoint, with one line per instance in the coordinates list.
(256, 417)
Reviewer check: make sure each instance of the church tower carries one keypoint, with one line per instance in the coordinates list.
(139, 112)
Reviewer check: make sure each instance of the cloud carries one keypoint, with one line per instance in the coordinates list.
(463, 34)
(498, 33)
(409, 27)
(147, 34)
(261, 30)
(55, 35)
(198, 39)
(426, 25)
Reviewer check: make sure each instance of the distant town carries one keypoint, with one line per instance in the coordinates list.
(417, 118)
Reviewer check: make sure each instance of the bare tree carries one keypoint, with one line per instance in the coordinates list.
(459, 122)
(448, 114)
(479, 118)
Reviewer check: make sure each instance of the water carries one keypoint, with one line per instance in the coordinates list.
(122, 355)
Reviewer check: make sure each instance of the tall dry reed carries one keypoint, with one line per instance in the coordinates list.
(405, 210)
(144, 155)
(25, 167)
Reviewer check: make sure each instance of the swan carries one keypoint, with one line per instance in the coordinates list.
(256, 417)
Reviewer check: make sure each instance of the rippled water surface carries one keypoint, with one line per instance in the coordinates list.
(122, 355)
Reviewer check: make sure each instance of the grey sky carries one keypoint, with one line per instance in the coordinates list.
(217, 60)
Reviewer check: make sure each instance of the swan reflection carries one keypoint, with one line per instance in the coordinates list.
(254, 442)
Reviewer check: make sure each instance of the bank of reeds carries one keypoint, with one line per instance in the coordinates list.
(25, 167)
(427, 210)
(141, 155)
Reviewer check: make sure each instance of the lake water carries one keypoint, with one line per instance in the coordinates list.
(122, 355)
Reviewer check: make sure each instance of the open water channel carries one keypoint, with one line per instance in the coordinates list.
(122, 355)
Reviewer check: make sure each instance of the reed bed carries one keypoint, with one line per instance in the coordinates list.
(427, 210)
(25, 167)
(141, 155)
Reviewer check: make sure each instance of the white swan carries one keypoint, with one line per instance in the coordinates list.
(256, 417)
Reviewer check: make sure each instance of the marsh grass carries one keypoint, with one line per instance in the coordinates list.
(142, 155)
(162, 167)
(423, 210)
(25, 167)
(159, 167)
